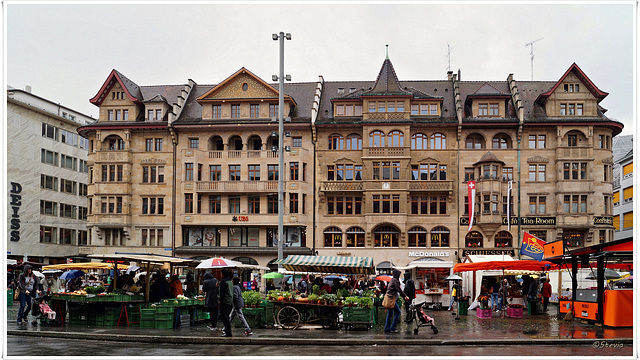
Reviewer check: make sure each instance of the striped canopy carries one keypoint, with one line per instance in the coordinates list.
(328, 264)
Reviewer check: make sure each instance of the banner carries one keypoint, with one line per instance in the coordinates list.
(509, 204)
(472, 202)
(532, 246)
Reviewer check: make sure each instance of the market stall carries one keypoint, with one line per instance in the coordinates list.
(430, 278)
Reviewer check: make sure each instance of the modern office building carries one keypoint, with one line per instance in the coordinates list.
(623, 197)
(46, 177)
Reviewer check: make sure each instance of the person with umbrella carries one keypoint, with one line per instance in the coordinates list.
(210, 289)
(226, 301)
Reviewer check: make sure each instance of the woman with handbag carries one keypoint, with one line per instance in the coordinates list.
(27, 286)
(390, 302)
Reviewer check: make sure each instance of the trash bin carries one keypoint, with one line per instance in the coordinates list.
(533, 307)
(462, 307)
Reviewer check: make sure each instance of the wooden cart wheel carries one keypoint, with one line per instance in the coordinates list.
(329, 319)
(288, 317)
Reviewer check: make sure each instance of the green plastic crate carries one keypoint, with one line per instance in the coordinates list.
(9, 297)
(147, 324)
(164, 324)
(355, 314)
(164, 309)
(148, 314)
(164, 317)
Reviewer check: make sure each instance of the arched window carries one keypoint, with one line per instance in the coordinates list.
(439, 237)
(376, 138)
(395, 139)
(438, 141)
(254, 143)
(235, 143)
(354, 142)
(114, 142)
(503, 239)
(336, 142)
(501, 141)
(355, 237)
(474, 141)
(215, 143)
(386, 236)
(575, 138)
(417, 236)
(333, 237)
(419, 141)
(473, 239)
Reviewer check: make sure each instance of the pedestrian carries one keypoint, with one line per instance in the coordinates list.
(302, 285)
(393, 314)
(410, 290)
(226, 301)
(546, 293)
(238, 304)
(254, 283)
(533, 289)
(310, 283)
(210, 289)
(175, 286)
(526, 282)
(270, 286)
(503, 292)
(455, 293)
(27, 286)
(495, 289)
(159, 288)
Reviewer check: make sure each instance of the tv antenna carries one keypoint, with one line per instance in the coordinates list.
(532, 54)
(448, 56)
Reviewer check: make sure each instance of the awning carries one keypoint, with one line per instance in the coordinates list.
(328, 264)
(532, 265)
(153, 258)
(87, 265)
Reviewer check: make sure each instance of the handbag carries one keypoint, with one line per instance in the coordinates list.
(389, 301)
(16, 294)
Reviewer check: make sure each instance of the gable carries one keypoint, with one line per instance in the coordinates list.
(131, 90)
(575, 74)
(241, 85)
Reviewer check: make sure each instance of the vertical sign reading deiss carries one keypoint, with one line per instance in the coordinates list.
(15, 203)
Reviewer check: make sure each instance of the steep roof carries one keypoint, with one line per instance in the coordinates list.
(130, 88)
(488, 157)
(599, 94)
(387, 82)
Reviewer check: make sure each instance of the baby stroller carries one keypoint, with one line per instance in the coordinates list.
(41, 302)
(417, 314)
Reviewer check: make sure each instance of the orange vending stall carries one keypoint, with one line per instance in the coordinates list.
(618, 308)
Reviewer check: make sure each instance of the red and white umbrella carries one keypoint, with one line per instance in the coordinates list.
(218, 263)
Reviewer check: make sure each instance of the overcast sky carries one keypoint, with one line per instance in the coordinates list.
(66, 51)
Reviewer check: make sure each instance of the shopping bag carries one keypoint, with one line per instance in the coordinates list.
(389, 301)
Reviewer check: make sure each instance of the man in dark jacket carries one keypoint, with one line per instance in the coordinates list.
(159, 289)
(226, 301)
(410, 290)
(210, 288)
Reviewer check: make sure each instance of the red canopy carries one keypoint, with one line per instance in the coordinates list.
(530, 265)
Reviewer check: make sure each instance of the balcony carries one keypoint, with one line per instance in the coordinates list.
(328, 186)
(114, 155)
(573, 152)
(237, 186)
(241, 154)
(439, 185)
(394, 152)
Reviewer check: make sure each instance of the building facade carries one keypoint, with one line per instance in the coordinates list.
(623, 197)
(376, 168)
(47, 194)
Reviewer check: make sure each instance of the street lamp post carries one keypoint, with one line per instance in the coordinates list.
(281, 78)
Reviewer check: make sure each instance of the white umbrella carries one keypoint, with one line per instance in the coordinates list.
(137, 276)
(41, 275)
(453, 277)
(218, 263)
(52, 271)
(132, 268)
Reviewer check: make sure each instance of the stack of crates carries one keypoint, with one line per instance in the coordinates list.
(134, 315)
(79, 315)
(164, 317)
(148, 318)
(185, 320)
(99, 316)
(111, 315)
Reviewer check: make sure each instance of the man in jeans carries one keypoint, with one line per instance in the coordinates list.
(210, 288)
(238, 304)
(226, 301)
(495, 288)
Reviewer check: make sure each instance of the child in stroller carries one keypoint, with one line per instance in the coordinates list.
(417, 314)
(46, 314)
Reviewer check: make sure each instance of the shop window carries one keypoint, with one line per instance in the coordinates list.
(355, 237)
(473, 240)
(573, 238)
(333, 237)
(386, 236)
(417, 236)
(439, 237)
(503, 239)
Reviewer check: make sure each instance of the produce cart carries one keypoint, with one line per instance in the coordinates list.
(290, 315)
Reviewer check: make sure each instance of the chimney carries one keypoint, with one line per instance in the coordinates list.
(459, 75)
(27, 88)
(449, 75)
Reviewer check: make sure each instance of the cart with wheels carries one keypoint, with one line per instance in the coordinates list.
(291, 315)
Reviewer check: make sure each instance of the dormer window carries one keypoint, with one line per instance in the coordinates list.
(348, 110)
(424, 109)
(571, 88)
(217, 112)
(571, 109)
(488, 109)
(386, 106)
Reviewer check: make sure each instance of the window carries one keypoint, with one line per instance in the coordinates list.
(216, 112)
(82, 167)
(386, 204)
(254, 110)
(607, 172)
(49, 131)
(474, 141)
(48, 234)
(112, 172)
(507, 173)
(48, 208)
(272, 204)
(504, 206)
(395, 139)
(84, 143)
(537, 205)
(616, 198)
(68, 186)
(627, 194)
(355, 237)
(571, 87)
(82, 213)
(490, 171)
(152, 174)
(348, 110)
(294, 171)
(111, 205)
(67, 236)
(254, 172)
(386, 236)
(336, 142)
(344, 205)
(235, 111)
(419, 141)
(254, 204)
(296, 142)
(575, 171)
(48, 182)
(188, 173)
(608, 205)
(604, 142)
(152, 205)
(537, 172)
(429, 205)
(114, 237)
(469, 174)
(273, 110)
(575, 203)
(494, 109)
(473, 239)
(333, 237)
(272, 172)
(438, 141)
(83, 237)
(376, 139)
(572, 140)
(148, 144)
(627, 170)
(627, 220)
(118, 112)
(188, 203)
(49, 157)
(68, 138)
(503, 239)
(417, 236)
(68, 162)
(214, 204)
(152, 237)
(483, 109)
(234, 172)
(501, 141)
(293, 203)
(354, 142)
(616, 222)
(115, 143)
(194, 143)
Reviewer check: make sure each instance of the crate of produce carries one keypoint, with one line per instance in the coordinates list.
(163, 324)
(147, 324)
(483, 313)
(205, 315)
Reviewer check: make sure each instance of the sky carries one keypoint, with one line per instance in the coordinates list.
(66, 51)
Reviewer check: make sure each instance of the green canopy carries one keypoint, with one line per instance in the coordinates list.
(273, 275)
(328, 264)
